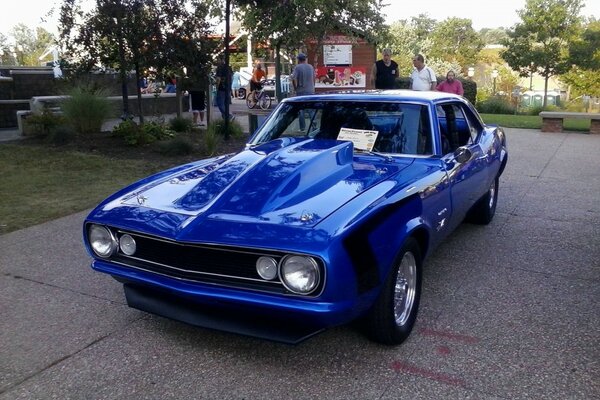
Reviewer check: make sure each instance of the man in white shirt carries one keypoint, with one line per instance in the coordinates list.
(422, 77)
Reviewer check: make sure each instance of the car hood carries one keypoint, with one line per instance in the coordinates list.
(286, 181)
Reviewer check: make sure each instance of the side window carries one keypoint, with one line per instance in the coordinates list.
(474, 125)
(457, 125)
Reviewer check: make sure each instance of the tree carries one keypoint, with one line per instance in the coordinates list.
(584, 55)
(424, 26)
(455, 40)
(165, 35)
(298, 21)
(404, 43)
(493, 35)
(585, 50)
(540, 42)
(28, 44)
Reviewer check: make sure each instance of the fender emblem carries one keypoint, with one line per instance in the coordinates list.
(441, 224)
(141, 199)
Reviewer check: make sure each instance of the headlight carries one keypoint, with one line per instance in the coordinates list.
(102, 241)
(299, 274)
(266, 268)
(127, 244)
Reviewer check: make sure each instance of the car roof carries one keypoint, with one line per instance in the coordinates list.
(379, 95)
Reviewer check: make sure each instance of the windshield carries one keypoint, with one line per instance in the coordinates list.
(386, 127)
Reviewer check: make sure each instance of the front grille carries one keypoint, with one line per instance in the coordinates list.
(221, 265)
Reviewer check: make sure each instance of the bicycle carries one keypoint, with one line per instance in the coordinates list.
(259, 97)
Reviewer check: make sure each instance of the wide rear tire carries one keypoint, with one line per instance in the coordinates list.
(484, 210)
(392, 317)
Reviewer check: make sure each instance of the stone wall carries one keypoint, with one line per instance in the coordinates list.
(18, 85)
(8, 112)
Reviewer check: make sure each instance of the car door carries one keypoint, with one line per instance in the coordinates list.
(465, 178)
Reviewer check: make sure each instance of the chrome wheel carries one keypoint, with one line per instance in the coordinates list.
(405, 288)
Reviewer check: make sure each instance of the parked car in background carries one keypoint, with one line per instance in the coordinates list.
(325, 217)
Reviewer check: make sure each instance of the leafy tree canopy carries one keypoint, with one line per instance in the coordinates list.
(295, 21)
(540, 42)
(455, 40)
(31, 44)
(165, 35)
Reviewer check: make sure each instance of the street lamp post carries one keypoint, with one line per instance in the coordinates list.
(471, 72)
(531, 76)
(122, 72)
(494, 76)
(20, 52)
(227, 76)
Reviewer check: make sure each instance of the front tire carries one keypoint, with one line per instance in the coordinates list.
(265, 101)
(251, 100)
(392, 317)
(484, 210)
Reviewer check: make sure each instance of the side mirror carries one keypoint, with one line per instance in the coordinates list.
(462, 155)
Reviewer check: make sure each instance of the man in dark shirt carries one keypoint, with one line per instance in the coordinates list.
(384, 72)
(223, 75)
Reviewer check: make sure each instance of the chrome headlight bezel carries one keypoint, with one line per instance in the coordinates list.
(127, 244)
(267, 268)
(291, 266)
(102, 240)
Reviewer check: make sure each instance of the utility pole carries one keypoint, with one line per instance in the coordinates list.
(227, 76)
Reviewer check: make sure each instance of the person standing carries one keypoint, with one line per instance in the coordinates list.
(223, 75)
(384, 72)
(451, 84)
(303, 81)
(422, 78)
(197, 105)
(236, 84)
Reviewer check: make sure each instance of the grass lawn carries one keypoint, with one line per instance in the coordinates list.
(38, 184)
(532, 122)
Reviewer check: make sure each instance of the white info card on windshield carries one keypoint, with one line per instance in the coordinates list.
(362, 139)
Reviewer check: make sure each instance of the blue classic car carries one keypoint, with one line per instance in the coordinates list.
(325, 217)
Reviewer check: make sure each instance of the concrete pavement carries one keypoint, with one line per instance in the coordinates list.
(509, 311)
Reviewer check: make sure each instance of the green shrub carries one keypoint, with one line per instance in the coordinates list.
(536, 110)
(218, 127)
(211, 141)
(139, 135)
(132, 133)
(180, 124)
(176, 147)
(575, 106)
(402, 83)
(42, 124)
(495, 105)
(158, 130)
(470, 88)
(86, 108)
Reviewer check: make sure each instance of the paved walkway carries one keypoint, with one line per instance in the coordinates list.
(509, 311)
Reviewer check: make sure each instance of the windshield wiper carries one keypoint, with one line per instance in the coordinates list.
(386, 157)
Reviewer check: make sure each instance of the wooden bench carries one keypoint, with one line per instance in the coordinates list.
(552, 121)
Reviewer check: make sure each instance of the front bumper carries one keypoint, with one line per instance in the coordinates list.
(287, 319)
